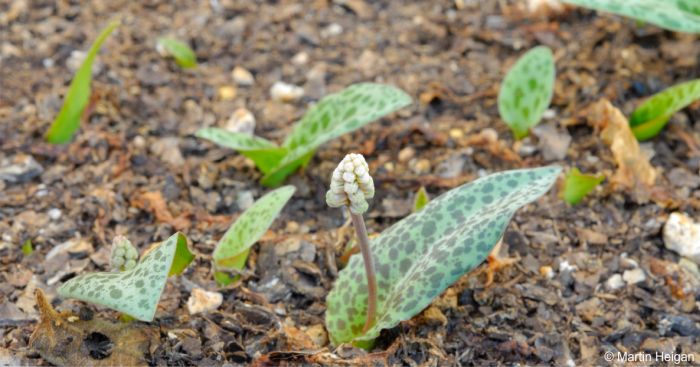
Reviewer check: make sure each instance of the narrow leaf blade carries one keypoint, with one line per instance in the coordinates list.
(650, 118)
(527, 91)
(265, 154)
(251, 225)
(420, 256)
(135, 292)
(421, 199)
(68, 119)
(180, 51)
(675, 16)
(183, 257)
(577, 185)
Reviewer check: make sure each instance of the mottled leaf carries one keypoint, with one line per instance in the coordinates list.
(421, 199)
(249, 227)
(577, 185)
(527, 90)
(417, 258)
(134, 292)
(679, 15)
(183, 54)
(333, 116)
(649, 118)
(265, 154)
(68, 119)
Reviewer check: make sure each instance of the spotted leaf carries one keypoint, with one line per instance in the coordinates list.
(649, 118)
(248, 229)
(678, 15)
(333, 116)
(527, 90)
(134, 292)
(265, 154)
(417, 258)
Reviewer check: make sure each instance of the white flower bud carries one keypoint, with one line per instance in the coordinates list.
(351, 184)
(124, 254)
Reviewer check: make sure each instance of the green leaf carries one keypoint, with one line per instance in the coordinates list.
(183, 257)
(265, 154)
(183, 54)
(417, 258)
(421, 199)
(68, 119)
(577, 185)
(651, 117)
(27, 248)
(134, 292)
(333, 116)
(527, 91)
(677, 15)
(249, 227)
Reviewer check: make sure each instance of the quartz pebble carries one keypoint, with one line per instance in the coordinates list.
(241, 121)
(682, 235)
(285, 92)
(242, 76)
(202, 301)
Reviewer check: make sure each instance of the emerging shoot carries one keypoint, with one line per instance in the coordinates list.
(351, 186)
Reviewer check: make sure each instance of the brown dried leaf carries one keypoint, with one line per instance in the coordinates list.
(154, 202)
(634, 172)
(65, 340)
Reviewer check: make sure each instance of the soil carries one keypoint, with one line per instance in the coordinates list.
(552, 307)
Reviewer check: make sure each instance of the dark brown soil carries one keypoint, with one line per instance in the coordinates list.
(450, 56)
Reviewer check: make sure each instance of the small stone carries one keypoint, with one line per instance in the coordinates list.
(682, 235)
(139, 142)
(21, 168)
(615, 282)
(202, 301)
(421, 166)
(553, 143)
(168, 151)
(634, 276)
(317, 334)
(241, 121)
(227, 92)
(285, 92)
(242, 76)
(406, 154)
(245, 199)
(547, 272)
(456, 134)
(192, 346)
(54, 213)
(332, 30)
(300, 59)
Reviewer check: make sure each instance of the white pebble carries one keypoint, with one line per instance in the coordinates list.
(682, 235)
(54, 213)
(634, 276)
(242, 76)
(615, 282)
(202, 301)
(285, 92)
(241, 121)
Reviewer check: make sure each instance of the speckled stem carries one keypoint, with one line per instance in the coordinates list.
(363, 240)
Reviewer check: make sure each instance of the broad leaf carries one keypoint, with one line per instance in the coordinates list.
(68, 119)
(249, 227)
(134, 292)
(527, 91)
(417, 258)
(265, 154)
(333, 116)
(183, 54)
(679, 15)
(649, 118)
(577, 185)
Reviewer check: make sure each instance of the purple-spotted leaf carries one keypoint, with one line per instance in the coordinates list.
(527, 90)
(649, 118)
(265, 154)
(134, 292)
(231, 251)
(679, 15)
(417, 258)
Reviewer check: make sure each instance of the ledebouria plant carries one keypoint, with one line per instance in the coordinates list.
(351, 186)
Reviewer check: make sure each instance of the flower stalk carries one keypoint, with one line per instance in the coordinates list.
(351, 186)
